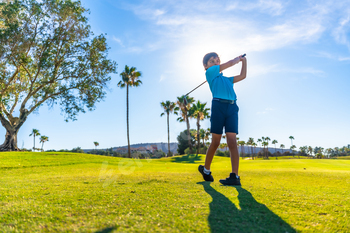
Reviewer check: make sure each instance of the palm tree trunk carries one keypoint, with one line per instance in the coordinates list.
(198, 140)
(188, 133)
(168, 135)
(127, 118)
(34, 142)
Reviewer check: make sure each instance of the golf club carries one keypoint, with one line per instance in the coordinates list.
(185, 100)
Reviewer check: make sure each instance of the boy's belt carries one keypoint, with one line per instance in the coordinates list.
(224, 101)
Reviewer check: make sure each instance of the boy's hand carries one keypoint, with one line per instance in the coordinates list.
(242, 58)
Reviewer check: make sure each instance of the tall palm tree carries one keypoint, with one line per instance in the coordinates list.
(184, 103)
(35, 132)
(267, 139)
(43, 139)
(259, 141)
(200, 112)
(291, 138)
(265, 143)
(292, 148)
(329, 152)
(207, 134)
(275, 142)
(309, 149)
(202, 135)
(242, 143)
(130, 78)
(169, 107)
(282, 146)
(254, 144)
(250, 143)
(96, 144)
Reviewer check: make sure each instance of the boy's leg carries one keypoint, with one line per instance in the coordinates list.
(215, 143)
(232, 145)
(233, 179)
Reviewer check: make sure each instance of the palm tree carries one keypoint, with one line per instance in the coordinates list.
(242, 143)
(275, 142)
(184, 103)
(292, 148)
(329, 152)
(96, 145)
(282, 146)
(200, 112)
(207, 134)
(309, 149)
(250, 143)
(259, 141)
(169, 107)
(254, 144)
(267, 139)
(35, 132)
(264, 143)
(291, 138)
(336, 150)
(130, 77)
(43, 139)
(202, 135)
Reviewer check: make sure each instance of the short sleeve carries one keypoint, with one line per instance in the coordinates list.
(212, 73)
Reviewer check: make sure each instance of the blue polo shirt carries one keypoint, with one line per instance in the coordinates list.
(221, 87)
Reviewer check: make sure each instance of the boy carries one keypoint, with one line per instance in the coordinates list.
(224, 113)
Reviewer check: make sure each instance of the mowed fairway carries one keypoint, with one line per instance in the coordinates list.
(66, 192)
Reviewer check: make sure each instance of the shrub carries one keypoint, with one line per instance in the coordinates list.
(158, 154)
(225, 153)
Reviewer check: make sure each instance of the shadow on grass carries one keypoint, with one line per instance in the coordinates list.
(106, 230)
(190, 158)
(252, 216)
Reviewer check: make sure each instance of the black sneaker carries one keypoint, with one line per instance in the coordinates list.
(205, 176)
(232, 180)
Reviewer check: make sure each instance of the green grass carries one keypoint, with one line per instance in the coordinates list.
(66, 192)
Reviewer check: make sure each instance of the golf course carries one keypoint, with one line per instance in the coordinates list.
(68, 192)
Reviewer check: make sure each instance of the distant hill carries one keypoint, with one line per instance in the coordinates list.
(160, 145)
(174, 145)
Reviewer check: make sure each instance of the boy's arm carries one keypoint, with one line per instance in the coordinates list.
(243, 74)
(230, 63)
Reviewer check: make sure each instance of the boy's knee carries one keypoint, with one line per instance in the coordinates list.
(215, 143)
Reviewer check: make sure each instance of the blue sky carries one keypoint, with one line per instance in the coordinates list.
(298, 80)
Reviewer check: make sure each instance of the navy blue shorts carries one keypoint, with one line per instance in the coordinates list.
(224, 115)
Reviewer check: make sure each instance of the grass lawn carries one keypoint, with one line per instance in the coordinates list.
(67, 192)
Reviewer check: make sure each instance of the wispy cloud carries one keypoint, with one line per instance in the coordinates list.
(265, 111)
(118, 41)
(341, 32)
(272, 7)
(162, 77)
(185, 23)
(332, 56)
(258, 70)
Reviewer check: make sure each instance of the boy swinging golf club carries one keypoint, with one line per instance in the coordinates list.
(224, 113)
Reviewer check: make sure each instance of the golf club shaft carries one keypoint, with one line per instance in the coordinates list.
(196, 88)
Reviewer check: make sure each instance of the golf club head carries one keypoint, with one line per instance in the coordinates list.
(185, 100)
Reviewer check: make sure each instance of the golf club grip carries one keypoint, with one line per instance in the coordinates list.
(244, 55)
